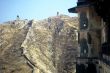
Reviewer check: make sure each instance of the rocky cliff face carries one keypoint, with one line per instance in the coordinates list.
(47, 46)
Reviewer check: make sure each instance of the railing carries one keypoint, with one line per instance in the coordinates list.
(86, 60)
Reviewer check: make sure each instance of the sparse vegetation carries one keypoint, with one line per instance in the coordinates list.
(46, 46)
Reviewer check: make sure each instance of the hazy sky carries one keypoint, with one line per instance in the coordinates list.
(34, 9)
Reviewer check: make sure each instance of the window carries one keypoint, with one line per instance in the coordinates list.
(84, 47)
(89, 38)
(83, 21)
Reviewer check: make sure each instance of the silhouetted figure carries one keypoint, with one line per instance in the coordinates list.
(49, 22)
(17, 17)
(57, 13)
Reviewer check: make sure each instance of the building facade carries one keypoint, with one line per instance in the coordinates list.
(94, 36)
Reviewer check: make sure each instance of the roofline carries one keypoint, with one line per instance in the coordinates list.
(74, 9)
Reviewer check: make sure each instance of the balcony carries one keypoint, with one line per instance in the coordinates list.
(105, 59)
(86, 64)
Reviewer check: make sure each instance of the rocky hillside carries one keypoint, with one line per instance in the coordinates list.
(45, 46)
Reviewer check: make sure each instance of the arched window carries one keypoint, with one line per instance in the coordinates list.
(89, 38)
(83, 20)
(84, 47)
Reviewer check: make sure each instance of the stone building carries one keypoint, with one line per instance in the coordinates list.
(94, 41)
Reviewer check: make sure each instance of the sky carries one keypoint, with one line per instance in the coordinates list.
(34, 9)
